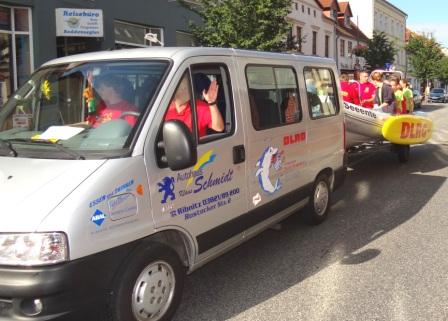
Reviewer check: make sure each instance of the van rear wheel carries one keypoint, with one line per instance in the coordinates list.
(150, 286)
(319, 203)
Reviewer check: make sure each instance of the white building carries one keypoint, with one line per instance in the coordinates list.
(382, 16)
(325, 30)
(348, 38)
(311, 27)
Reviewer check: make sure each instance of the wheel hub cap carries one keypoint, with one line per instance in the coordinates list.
(321, 198)
(153, 292)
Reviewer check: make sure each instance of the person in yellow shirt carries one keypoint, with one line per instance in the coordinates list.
(398, 94)
(407, 95)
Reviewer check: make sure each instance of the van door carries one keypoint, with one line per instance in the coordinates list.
(205, 200)
(276, 139)
(325, 129)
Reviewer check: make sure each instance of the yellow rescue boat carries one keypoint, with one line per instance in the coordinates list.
(365, 125)
(407, 129)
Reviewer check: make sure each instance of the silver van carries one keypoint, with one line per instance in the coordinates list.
(122, 171)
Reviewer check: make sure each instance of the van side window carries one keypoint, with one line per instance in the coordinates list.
(213, 96)
(273, 96)
(211, 114)
(321, 92)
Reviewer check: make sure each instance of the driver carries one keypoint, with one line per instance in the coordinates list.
(111, 90)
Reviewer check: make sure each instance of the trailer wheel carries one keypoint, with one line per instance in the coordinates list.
(319, 202)
(150, 286)
(403, 152)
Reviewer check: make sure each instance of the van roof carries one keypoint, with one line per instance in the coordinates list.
(180, 53)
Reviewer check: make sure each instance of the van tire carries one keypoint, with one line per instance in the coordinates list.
(151, 282)
(320, 199)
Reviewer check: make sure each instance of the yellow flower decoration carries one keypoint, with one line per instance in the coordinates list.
(46, 89)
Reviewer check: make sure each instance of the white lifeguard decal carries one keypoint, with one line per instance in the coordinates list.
(268, 159)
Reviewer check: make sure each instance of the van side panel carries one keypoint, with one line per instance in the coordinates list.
(277, 156)
(325, 140)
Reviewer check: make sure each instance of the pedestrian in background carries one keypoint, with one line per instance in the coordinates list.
(407, 95)
(366, 90)
(384, 95)
(348, 90)
(400, 106)
(427, 91)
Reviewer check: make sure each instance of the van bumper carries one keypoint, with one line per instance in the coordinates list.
(67, 291)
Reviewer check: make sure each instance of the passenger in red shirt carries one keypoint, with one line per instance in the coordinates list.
(112, 105)
(348, 91)
(366, 90)
(208, 115)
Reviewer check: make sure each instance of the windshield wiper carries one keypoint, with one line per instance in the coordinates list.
(59, 147)
(8, 145)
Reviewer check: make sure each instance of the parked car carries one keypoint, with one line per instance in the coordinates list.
(437, 95)
(417, 98)
(113, 211)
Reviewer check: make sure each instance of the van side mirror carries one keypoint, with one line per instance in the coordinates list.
(180, 148)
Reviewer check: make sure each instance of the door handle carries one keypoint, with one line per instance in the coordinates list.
(239, 154)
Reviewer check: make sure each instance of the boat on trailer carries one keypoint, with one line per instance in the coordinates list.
(373, 126)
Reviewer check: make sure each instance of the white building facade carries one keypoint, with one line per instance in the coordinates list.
(382, 16)
(317, 23)
(348, 38)
(315, 31)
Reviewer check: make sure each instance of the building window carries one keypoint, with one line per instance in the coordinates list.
(327, 46)
(349, 47)
(334, 14)
(184, 39)
(299, 38)
(309, 11)
(15, 48)
(74, 45)
(314, 12)
(296, 5)
(303, 8)
(314, 42)
(342, 49)
(129, 35)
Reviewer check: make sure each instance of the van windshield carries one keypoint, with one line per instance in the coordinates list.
(89, 109)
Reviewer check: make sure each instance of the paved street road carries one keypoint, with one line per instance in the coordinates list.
(381, 255)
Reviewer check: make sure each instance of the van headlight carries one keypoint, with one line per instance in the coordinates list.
(30, 249)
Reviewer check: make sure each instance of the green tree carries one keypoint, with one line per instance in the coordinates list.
(248, 24)
(425, 56)
(443, 70)
(380, 50)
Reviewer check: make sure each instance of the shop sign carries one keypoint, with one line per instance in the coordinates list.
(72, 22)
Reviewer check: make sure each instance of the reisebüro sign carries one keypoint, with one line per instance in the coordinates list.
(72, 22)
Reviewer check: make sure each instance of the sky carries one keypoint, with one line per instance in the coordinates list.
(426, 16)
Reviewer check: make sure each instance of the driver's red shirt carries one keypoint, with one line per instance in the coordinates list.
(106, 113)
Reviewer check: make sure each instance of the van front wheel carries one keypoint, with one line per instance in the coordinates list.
(150, 287)
(319, 203)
